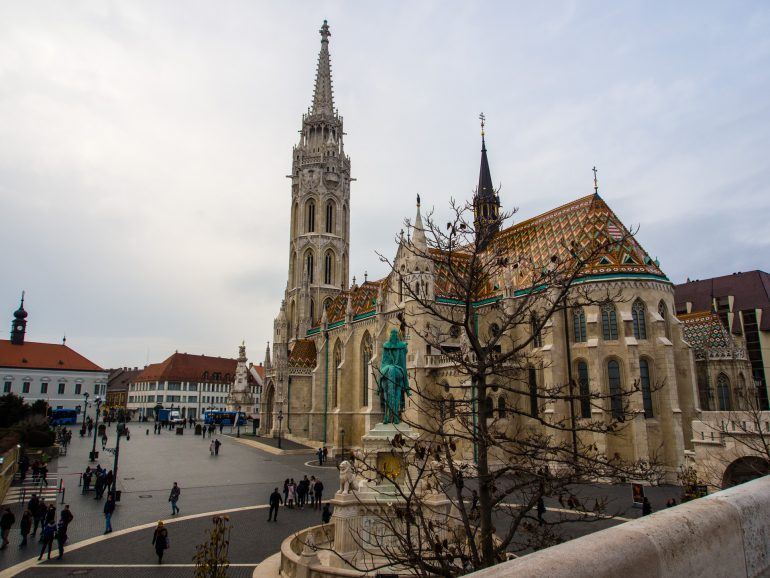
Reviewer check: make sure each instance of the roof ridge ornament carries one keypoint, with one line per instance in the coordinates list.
(596, 180)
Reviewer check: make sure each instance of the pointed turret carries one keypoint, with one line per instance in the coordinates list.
(323, 97)
(419, 242)
(267, 355)
(486, 201)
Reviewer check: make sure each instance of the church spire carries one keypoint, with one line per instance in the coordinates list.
(323, 98)
(486, 202)
(19, 324)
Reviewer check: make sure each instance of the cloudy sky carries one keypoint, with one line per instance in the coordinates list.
(144, 145)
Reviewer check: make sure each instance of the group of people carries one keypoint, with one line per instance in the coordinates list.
(101, 478)
(306, 492)
(322, 454)
(63, 436)
(39, 470)
(38, 514)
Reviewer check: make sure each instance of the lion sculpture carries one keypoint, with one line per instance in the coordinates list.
(347, 478)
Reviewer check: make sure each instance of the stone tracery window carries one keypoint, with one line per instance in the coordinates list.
(609, 322)
(615, 387)
(330, 217)
(723, 392)
(645, 383)
(585, 392)
(639, 321)
(310, 267)
(310, 216)
(579, 325)
(663, 312)
(329, 268)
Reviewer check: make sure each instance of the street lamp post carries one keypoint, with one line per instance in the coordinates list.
(238, 420)
(280, 421)
(98, 402)
(120, 428)
(342, 451)
(85, 409)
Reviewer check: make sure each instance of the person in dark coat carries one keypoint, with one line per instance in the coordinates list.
(66, 515)
(275, 501)
(32, 507)
(7, 520)
(160, 541)
(109, 508)
(646, 507)
(326, 515)
(50, 514)
(25, 526)
(87, 475)
(61, 537)
(43, 473)
(23, 467)
(46, 537)
(174, 498)
(39, 514)
(319, 490)
(540, 509)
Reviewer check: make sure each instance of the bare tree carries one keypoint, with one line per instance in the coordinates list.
(211, 557)
(476, 472)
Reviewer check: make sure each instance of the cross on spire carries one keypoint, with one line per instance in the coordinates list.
(483, 119)
(596, 181)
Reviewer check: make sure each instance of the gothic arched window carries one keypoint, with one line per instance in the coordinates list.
(330, 217)
(337, 357)
(639, 321)
(533, 405)
(644, 381)
(310, 216)
(615, 387)
(663, 312)
(329, 268)
(309, 266)
(579, 325)
(501, 408)
(585, 391)
(537, 339)
(294, 211)
(312, 312)
(723, 392)
(293, 269)
(366, 359)
(609, 322)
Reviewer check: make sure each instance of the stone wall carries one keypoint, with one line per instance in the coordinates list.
(724, 534)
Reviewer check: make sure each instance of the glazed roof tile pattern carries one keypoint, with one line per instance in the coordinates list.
(188, 367)
(303, 353)
(32, 355)
(363, 300)
(704, 331)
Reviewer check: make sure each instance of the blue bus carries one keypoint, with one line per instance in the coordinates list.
(223, 417)
(64, 416)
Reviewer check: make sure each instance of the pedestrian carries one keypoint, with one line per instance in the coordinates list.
(286, 490)
(311, 491)
(35, 470)
(46, 537)
(90, 428)
(292, 492)
(66, 515)
(274, 501)
(211, 447)
(39, 515)
(43, 474)
(87, 475)
(217, 443)
(23, 467)
(160, 540)
(173, 497)
(109, 508)
(221, 426)
(540, 509)
(319, 490)
(7, 520)
(671, 503)
(32, 505)
(50, 514)
(646, 507)
(61, 537)
(127, 432)
(109, 479)
(25, 526)
(326, 515)
(326, 453)
(99, 485)
(320, 454)
(104, 439)
(302, 489)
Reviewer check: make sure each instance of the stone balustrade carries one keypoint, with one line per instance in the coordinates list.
(724, 534)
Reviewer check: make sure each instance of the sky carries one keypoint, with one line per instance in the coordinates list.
(144, 146)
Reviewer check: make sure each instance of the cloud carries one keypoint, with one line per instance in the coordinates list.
(144, 145)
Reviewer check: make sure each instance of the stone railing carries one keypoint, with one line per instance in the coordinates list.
(724, 534)
(300, 554)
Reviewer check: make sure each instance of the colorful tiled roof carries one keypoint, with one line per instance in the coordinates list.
(363, 300)
(53, 356)
(704, 331)
(187, 367)
(303, 353)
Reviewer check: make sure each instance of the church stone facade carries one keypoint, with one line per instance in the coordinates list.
(320, 380)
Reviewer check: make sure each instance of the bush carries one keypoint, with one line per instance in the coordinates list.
(39, 438)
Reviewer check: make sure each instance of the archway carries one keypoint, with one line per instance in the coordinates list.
(268, 411)
(744, 470)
